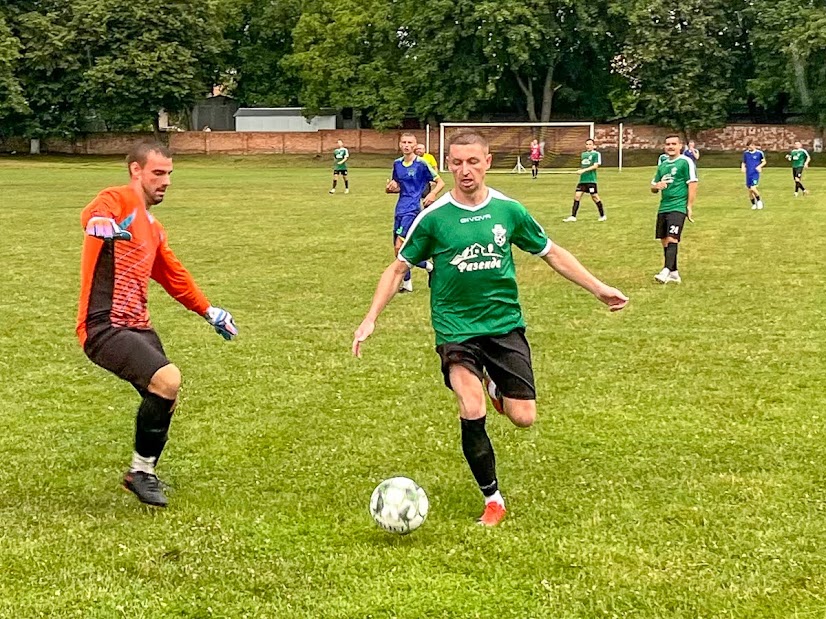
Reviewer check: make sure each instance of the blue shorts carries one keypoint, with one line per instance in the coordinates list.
(752, 180)
(402, 223)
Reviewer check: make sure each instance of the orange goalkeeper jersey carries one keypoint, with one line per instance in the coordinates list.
(114, 275)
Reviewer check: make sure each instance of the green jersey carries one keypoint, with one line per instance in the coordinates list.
(586, 160)
(798, 157)
(678, 173)
(473, 289)
(341, 154)
(663, 157)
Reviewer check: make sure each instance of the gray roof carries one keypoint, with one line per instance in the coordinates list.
(280, 111)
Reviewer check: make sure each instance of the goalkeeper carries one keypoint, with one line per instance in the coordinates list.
(123, 248)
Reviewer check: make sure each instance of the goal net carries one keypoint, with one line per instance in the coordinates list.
(510, 143)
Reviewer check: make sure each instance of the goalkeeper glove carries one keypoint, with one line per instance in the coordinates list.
(222, 320)
(110, 230)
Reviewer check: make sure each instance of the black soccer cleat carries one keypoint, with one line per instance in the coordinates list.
(146, 487)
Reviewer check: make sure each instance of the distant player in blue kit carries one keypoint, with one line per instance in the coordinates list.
(411, 176)
(753, 162)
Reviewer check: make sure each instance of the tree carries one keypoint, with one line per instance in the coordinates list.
(260, 37)
(48, 68)
(347, 53)
(677, 63)
(141, 57)
(12, 101)
(788, 40)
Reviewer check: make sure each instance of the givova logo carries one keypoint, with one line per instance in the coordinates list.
(477, 257)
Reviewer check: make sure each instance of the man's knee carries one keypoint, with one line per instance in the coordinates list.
(521, 412)
(166, 382)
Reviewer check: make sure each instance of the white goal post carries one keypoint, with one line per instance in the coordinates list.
(510, 142)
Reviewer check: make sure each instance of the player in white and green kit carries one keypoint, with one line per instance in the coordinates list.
(800, 161)
(341, 155)
(589, 162)
(480, 329)
(676, 182)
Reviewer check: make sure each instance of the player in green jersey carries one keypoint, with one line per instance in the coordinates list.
(676, 182)
(341, 155)
(800, 161)
(589, 162)
(475, 311)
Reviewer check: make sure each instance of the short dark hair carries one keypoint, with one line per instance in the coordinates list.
(590, 140)
(465, 138)
(139, 151)
(674, 135)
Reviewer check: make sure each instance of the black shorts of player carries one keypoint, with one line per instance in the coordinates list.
(342, 172)
(797, 173)
(131, 354)
(587, 188)
(670, 224)
(507, 359)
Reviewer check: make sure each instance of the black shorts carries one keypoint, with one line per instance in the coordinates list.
(797, 173)
(670, 224)
(535, 162)
(342, 172)
(507, 359)
(131, 354)
(587, 188)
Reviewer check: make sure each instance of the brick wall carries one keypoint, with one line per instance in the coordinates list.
(635, 137)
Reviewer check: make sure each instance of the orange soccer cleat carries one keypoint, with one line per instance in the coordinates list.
(493, 393)
(494, 514)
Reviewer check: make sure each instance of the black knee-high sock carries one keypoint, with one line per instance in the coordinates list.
(665, 257)
(600, 209)
(335, 181)
(152, 426)
(753, 200)
(479, 454)
(798, 184)
(346, 183)
(671, 256)
(575, 208)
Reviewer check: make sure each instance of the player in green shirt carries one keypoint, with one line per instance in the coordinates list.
(480, 330)
(676, 182)
(589, 162)
(341, 155)
(800, 160)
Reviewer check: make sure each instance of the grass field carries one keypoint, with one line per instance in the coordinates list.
(677, 469)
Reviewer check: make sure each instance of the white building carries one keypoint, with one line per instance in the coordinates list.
(282, 119)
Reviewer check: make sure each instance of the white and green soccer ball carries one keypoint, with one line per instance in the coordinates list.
(399, 505)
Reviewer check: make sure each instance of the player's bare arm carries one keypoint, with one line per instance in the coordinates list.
(692, 194)
(387, 288)
(563, 262)
(391, 186)
(430, 198)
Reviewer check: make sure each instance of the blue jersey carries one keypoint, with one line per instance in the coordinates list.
(412, 180)
(690, 154)
(752, 160)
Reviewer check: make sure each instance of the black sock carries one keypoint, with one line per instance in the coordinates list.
(799, 184)
(665, 257)
(671, 256)
(152, 426)
(334, 183)
(575, 208)
(752, 200)
(479, 455)
(600, 209)
(346, 184)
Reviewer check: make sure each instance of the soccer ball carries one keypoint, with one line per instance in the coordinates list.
(399, 505)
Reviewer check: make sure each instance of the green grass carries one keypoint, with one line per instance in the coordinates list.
(676, 469)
